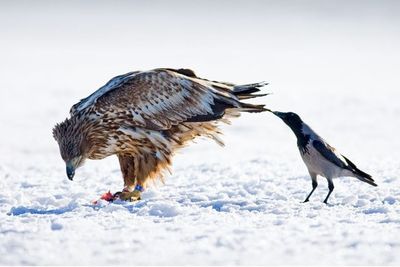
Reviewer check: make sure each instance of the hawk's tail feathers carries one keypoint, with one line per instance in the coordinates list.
(252, 108)
(248, 88)
(246, 91)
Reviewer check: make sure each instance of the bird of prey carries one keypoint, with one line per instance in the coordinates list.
(143, 117)
(319, 157)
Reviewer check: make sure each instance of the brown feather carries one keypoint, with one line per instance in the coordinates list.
(144, 117)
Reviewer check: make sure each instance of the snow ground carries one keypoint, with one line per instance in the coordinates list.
(239, 205)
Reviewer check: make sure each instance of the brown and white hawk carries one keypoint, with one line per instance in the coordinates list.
(143, 117)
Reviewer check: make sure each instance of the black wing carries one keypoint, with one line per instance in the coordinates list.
(328, 153)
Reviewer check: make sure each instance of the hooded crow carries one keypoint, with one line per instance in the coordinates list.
(319, 157)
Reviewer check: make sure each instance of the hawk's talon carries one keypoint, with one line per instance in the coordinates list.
(135, 195)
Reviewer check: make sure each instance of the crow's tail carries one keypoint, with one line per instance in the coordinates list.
(359, 174)
(365, 177)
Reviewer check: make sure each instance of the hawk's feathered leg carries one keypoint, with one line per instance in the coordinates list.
(127, 164)
(137, 170)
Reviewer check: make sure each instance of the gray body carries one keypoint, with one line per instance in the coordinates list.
(319, 157)
(318, 164)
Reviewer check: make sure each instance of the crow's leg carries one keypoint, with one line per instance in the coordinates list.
(331, 187)
(314, 185)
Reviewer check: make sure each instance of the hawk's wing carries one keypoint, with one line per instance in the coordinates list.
(112, 84)
(160, 98)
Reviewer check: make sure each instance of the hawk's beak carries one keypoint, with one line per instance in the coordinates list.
(70, 170)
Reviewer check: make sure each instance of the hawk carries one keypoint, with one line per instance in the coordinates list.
(143, 117)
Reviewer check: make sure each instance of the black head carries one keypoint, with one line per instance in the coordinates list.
(292, 120)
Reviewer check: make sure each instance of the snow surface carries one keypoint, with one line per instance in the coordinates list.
(336, 64)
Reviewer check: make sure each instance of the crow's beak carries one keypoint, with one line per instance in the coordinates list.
(70, 171)
(279, 114)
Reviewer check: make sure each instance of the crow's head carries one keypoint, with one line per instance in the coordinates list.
(292, 120)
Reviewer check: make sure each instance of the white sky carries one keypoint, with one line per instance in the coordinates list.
(335, 62)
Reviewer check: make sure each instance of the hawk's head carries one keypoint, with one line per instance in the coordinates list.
(73, 144)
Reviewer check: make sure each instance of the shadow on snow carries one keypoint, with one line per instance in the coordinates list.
(21, 210)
